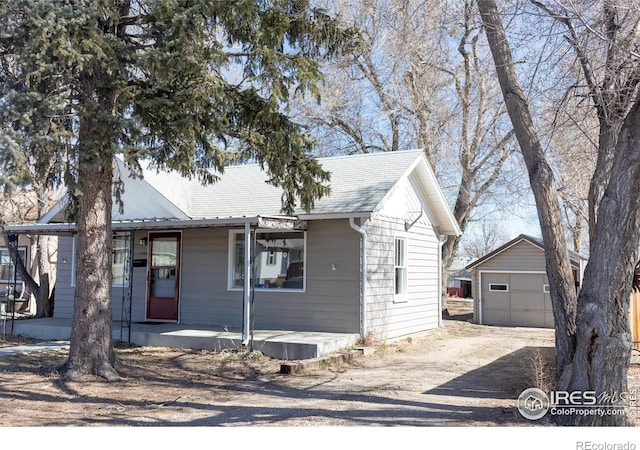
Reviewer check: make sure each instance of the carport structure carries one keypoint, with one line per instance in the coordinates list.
(510, 286)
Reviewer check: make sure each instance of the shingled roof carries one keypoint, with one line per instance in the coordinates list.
(359, 184)
(574, 257)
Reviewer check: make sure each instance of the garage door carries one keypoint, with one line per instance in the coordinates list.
(516, 299)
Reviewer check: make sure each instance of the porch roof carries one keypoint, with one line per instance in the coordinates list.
(283, 222)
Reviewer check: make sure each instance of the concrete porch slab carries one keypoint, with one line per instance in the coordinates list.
(279, 344)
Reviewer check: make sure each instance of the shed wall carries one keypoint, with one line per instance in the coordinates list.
(522, 256)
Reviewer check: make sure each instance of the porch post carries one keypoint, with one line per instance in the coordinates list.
(246, 298)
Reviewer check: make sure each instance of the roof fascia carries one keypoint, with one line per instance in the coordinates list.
(426, 165)
(279, 222)
(426, 176)
(329, 216)
(55, 209)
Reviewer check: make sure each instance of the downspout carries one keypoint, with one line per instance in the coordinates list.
(363, 268)
(479, 292)
(442, 239)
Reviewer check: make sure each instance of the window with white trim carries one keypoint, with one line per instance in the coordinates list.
(400, 266)
(279, 260)
(119, 261)
(546, 288)
(7, 268)
(498, 287)
(73, 261)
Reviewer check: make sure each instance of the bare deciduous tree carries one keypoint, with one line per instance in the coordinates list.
(21, 204)
(592, 332)
(490, 237)
(604, 37)
(421, 79)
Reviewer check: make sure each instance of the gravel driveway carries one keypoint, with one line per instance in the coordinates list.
(462, 374)
(458, 375)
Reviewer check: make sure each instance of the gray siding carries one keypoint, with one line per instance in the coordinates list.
(388, 318)
(332, 298)
(330, 303)
(65, 290)
(204, 297)
(522, 256)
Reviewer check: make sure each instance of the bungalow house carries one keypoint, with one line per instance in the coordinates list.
(510, 286)
(365, 260)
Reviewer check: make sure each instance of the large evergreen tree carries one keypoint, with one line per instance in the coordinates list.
(187, 84)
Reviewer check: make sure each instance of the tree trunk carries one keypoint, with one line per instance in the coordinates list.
(40, 291)
(461, 212)
(603, 340)
(607, 140)
(562, 287)
(91, 351)
(44, 300)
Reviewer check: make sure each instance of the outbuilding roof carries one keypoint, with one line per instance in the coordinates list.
(574, 257)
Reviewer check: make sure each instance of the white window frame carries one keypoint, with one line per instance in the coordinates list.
(403, 265)
(546, 288)
(21, 249)
(491, 287)
(125, 269)
(73, 261)
(73, 267)
(271, 258)
(231, 259)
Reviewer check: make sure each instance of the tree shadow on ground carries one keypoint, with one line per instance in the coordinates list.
(477, 397)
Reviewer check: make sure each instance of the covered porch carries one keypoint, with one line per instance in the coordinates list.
(279, 344)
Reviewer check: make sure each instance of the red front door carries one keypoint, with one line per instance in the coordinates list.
(163, 277)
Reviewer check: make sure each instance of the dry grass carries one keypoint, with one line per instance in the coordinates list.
(540, 370)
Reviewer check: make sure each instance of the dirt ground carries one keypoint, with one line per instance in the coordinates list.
(459, 375)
